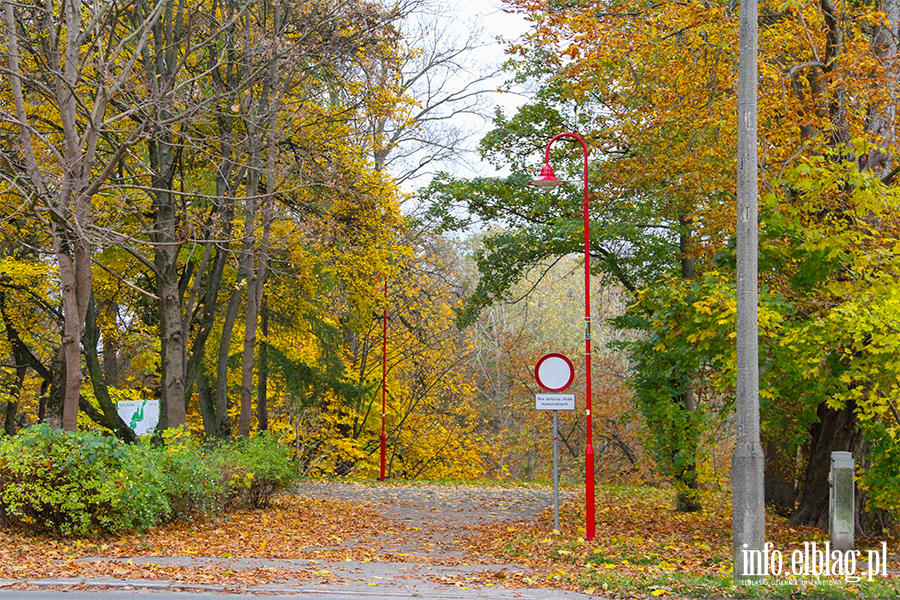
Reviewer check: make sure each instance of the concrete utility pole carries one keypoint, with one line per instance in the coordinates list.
(748, 521)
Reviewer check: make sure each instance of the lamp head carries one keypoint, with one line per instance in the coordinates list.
(546, 180)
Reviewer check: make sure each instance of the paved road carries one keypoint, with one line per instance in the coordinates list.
(436, 519)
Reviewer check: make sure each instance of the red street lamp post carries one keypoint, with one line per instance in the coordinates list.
(547, 180)
(383, 380)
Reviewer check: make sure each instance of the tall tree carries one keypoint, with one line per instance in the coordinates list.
(653, 88)
(69, 66)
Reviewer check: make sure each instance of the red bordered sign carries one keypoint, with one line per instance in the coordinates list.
(554, 372)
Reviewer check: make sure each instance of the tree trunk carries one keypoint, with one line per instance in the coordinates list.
(67, 192)
(173, 350)
(73, 250)
(262, 404)
(9, 419)
(263, 133)
(779, 476)
(55, 389)
(835, 431)
(110, 416)
(195, 369)
(207, 407)
(227, 173)
(687, 498)
(43, 400)
(882, 119)
(252, 316)
(165, 236)
(64, 412)
(224, 428)
(163, 65)
(111, 347)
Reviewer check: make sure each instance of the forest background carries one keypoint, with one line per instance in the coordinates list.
(202, 205)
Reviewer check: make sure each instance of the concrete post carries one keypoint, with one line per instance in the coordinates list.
(748, 520)
(842, 501)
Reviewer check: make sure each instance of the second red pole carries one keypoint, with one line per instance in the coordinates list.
(384, 381)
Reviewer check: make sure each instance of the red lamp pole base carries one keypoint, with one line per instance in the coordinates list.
(383, 453)
(384, 380)
(589, 492)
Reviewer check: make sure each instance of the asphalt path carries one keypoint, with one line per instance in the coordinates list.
(436, 519)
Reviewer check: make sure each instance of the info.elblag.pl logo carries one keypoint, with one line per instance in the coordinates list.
(816, 561)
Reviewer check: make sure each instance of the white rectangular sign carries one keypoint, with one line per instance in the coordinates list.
(554, 401)
(141, 416)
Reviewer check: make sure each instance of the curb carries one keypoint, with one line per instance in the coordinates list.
(387, 592)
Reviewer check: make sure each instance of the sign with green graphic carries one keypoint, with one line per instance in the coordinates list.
(141, 415)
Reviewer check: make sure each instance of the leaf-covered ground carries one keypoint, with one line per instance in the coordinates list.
(643, 549)
(293, 527)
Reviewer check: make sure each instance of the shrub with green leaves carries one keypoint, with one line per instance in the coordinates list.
(193, 483)
(142, 500)
(85, 483)
(881, 479)
(80, 484)
(254, 469)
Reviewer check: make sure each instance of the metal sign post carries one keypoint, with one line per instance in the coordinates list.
(556, 470)
(554, 372)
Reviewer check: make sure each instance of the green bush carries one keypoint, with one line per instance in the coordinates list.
(881, 479)
(194, 486)
(253, 470)
(142, 501)
(77, 484)
(85, 483)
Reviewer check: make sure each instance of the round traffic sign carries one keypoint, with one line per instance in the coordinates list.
(554, 372)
